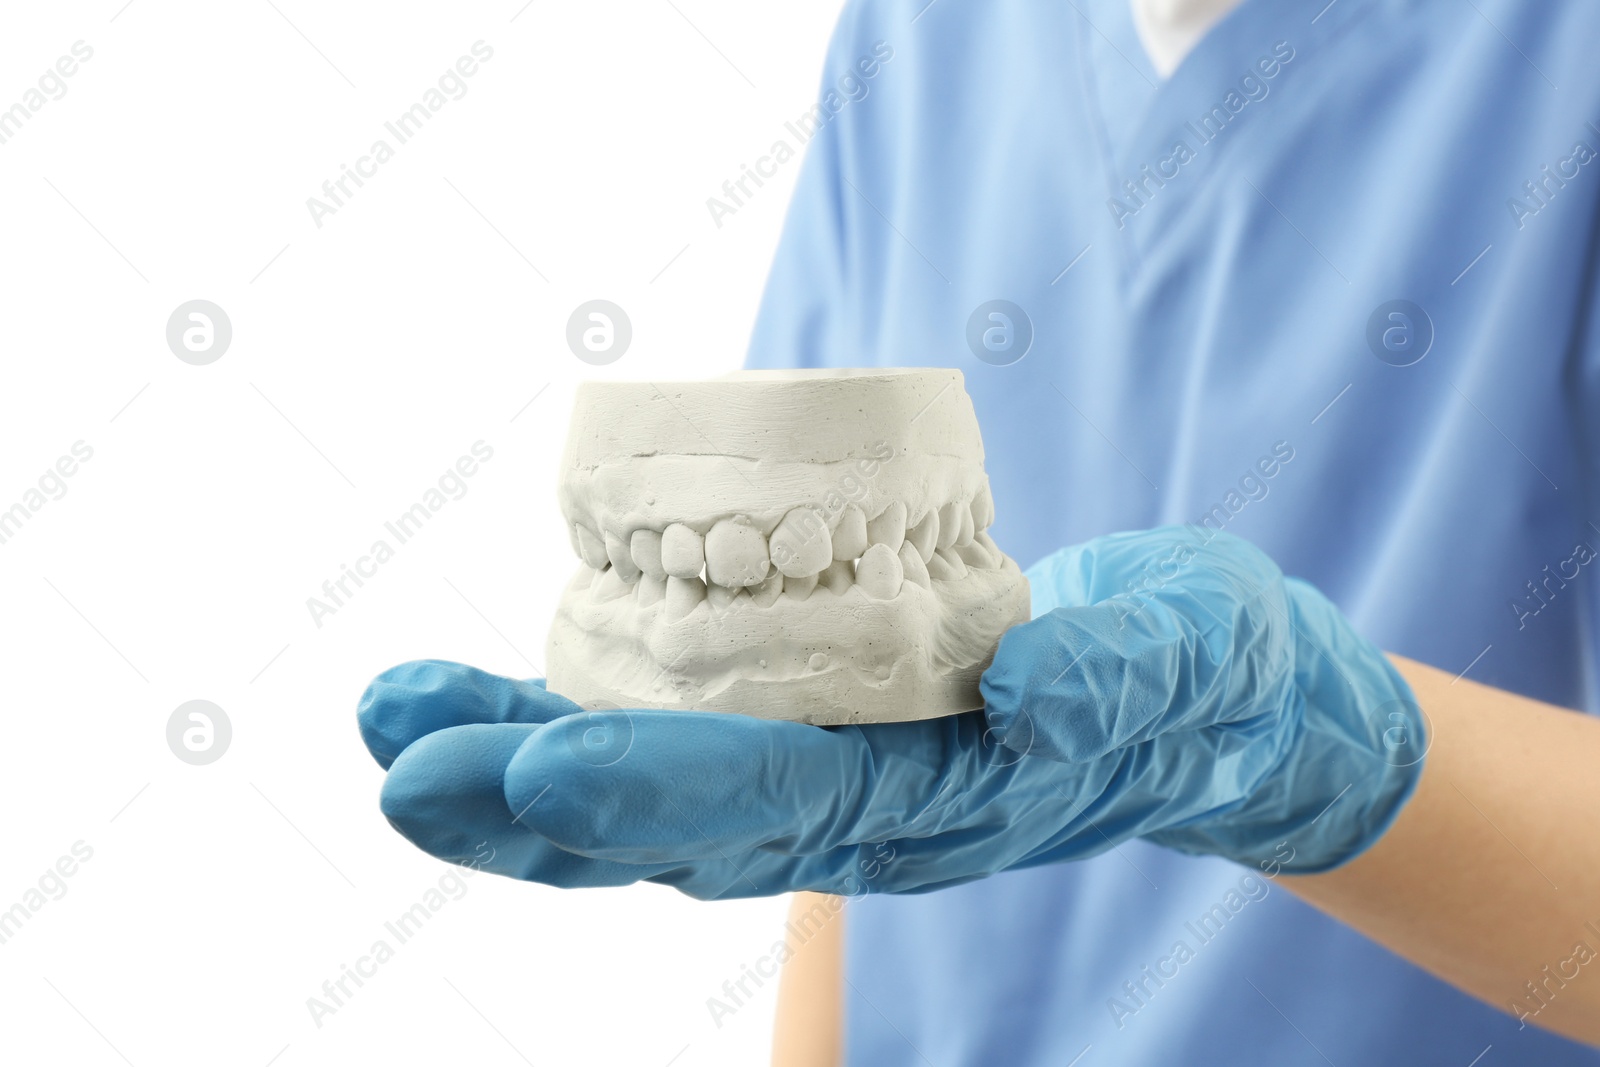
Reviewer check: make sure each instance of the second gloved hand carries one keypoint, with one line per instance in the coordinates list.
(1182, 691)
(1197, 649)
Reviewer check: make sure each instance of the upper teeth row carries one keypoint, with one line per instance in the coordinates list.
(803, 549)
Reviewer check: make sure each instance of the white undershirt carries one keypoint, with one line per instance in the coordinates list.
(1168, 29)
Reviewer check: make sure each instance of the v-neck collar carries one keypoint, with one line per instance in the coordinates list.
(1118, 78)
(1139, 117)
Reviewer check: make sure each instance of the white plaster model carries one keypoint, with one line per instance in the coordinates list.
(805, 545)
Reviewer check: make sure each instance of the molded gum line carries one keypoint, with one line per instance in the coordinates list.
(653, 492)
(727, 648)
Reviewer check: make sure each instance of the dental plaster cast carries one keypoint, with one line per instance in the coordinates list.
(803, 545)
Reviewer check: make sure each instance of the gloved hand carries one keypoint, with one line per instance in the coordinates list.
(1184, 691)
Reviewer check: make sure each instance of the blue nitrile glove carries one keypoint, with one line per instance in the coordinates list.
(1185, 691)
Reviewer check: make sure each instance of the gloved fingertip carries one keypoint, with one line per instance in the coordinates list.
(1055, 685)
(1010, 692)
(1013, 727)
(410, 790)
(378, 713)
(419, 697)
(648, 786)
(434, 792)
(556, 780)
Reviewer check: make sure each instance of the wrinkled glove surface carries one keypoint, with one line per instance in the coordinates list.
(1179, 688)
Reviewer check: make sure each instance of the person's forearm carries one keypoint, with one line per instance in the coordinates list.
(809, 1028)
(1490, 878)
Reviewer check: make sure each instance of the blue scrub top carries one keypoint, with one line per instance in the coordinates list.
(1352, 243)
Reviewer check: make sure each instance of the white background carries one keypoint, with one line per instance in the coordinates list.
(367, 356)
